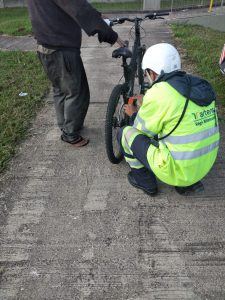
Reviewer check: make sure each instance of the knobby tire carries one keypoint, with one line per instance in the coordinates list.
(117, 92)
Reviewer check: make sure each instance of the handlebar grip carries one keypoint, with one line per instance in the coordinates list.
(156, 14)
(163, 14)
(122, 20)
(119, 20)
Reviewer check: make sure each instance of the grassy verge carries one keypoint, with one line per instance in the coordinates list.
(119, 6)
(203, 47)
(166, 4)
(14, 21)
(20, 72)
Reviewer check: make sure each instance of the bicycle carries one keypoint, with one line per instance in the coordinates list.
(121, 93)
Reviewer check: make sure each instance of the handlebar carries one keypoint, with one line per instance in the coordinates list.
(157, 15)
(151, 16)
(120, 21)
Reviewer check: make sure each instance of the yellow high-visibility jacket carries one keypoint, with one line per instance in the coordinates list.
(187, 155)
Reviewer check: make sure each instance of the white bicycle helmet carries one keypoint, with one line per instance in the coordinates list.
(160, 58)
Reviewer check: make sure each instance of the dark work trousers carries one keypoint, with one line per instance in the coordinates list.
(66, 72)
(144, 176)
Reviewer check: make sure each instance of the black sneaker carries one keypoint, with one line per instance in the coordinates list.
(194, 188)
(149, 191)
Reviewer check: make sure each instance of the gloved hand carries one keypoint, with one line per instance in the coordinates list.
(119, 40)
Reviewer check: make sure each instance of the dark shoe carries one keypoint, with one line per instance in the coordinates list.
(133, 182)
(78, 142)
(194, 188)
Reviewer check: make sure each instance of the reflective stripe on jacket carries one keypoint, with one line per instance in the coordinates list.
(188, 154)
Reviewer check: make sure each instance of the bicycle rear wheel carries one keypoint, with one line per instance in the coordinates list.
(115, 118)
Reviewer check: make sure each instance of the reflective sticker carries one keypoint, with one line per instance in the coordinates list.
(134, 163)
(186, 155)
(139, 120)
(128, 134)
(191, 138)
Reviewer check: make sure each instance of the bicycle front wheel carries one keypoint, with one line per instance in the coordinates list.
(115, 118)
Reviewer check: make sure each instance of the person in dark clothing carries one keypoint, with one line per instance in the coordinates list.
(57, 28)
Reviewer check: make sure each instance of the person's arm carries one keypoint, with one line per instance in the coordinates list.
(89, 19)
(153, 113)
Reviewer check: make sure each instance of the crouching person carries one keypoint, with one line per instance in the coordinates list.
(174, 135)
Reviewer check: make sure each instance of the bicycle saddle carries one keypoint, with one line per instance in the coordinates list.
(123, 51)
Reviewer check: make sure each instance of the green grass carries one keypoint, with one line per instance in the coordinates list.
(138, 5)
(123, 6)
(166, 4)
(20, 72)
(14, 21)
(203, 47)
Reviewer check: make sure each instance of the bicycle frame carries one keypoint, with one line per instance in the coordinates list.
(135, 63)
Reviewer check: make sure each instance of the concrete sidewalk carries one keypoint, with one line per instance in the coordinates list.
(214, 20)
(73, 228)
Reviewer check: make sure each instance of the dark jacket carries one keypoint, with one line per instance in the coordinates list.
(58, 23)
